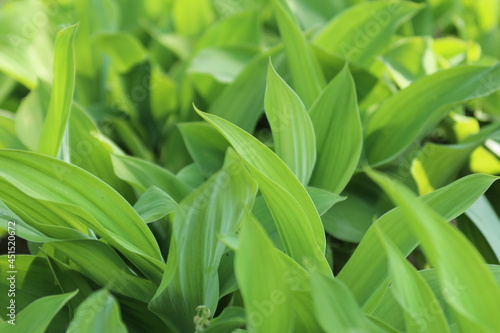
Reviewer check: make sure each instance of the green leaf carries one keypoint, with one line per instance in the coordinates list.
(239, 29)
(192, 16)
(154, 204)
(291, 126)
(336, 308)
(142, 174)
(222, 63)
(123, 48)
(89, 202)
(70, 280)
(33, 281)
(205, 144)
(191, 277)
(363, 31)
(117, 276)
(458, 265)
(62, 93)
(90, 150)
(389, 311)
(267, 299)
(365, 274)
(37, 316)
(428, 95)
(304, 68)
(100, 312)
(428, 169)
(93, 17)
(339, 137)
(31, 114)
(323, 200)
(412, 293)
(242, 102)
(286, 197)
(27, 53)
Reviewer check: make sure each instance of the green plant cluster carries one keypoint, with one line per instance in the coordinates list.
(250, 166)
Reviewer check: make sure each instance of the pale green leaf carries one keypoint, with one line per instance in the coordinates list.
(62, 93)
(304, 68)
(292, 129)
(339, 137)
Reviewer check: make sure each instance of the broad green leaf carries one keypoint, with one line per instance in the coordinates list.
(397, 123)
(191, 277)
(142, 174)
(267, 299)
(336, 308)
(154, 204)
(362, 32)
(286, 197)
(117, 276)
(457, 264)
(412, 293)
(100, 312)
(89, 202)
(62, 93)
(36, 317)
(486, 220)
(205, 145)
(242, 102)
(123, 48)
(8, 137)
(339, 137)
(35, 218)
(292, 130)
(304, 68)
(409, 59)
(365, 274)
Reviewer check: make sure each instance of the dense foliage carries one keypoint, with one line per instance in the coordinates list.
(250, 165)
